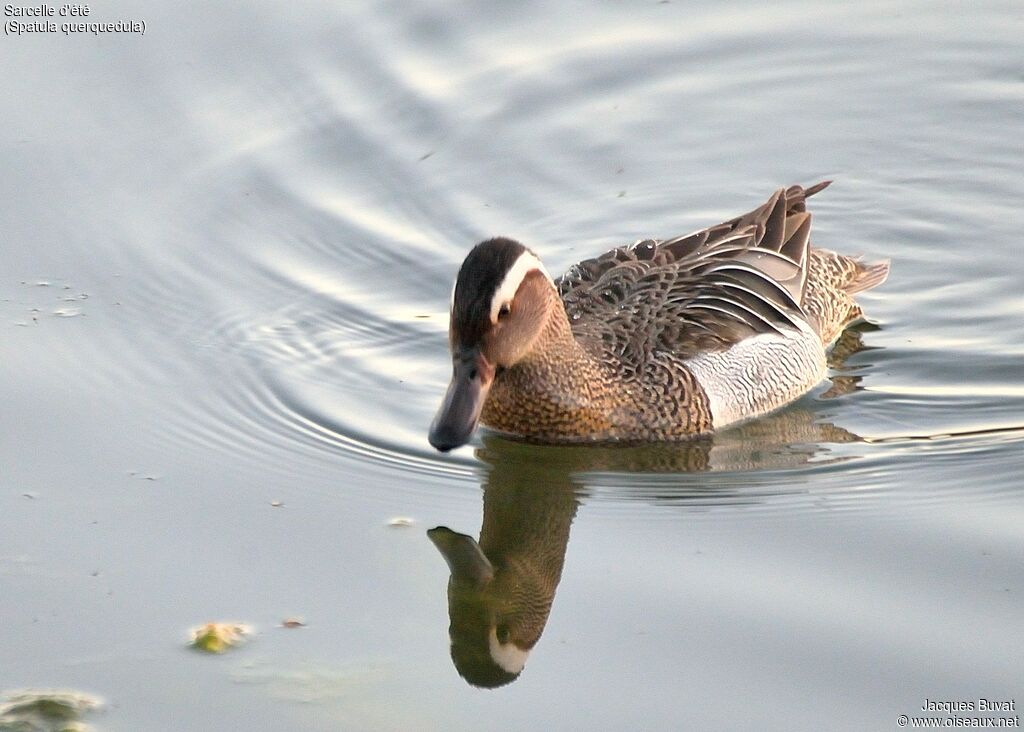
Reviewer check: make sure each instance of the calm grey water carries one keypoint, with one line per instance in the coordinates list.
(227, 247)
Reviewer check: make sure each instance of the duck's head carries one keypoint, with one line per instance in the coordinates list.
(500, 305)
(490, 628)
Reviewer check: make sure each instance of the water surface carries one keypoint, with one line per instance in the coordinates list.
(227, 252)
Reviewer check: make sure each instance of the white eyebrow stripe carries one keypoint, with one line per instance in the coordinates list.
(526, 263)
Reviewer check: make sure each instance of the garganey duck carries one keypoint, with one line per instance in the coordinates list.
(661, 340)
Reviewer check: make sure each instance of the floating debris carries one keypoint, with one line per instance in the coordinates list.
(67, 312)
(293, 623)
(277, 504)
(401, 521)
(219, 637)
(46, 710)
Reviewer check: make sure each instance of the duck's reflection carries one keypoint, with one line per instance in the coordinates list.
(502, 587)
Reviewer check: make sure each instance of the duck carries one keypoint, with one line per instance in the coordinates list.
(660, 340)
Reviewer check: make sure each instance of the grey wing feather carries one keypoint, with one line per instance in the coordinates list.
(701, 292)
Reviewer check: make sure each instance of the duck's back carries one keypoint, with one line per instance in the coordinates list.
(740, 313)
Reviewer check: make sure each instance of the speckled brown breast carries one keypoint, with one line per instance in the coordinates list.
(571, 397)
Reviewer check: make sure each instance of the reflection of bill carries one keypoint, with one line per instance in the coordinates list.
(501, 589)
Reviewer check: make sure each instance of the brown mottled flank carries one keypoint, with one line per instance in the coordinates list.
(610, 363)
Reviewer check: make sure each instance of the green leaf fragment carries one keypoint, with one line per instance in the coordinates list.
(45, 711)
(218, 637)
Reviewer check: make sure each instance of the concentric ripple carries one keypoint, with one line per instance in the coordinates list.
(313, 317)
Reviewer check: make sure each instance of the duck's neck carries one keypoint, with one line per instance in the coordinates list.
(556, 341)
(555, 392)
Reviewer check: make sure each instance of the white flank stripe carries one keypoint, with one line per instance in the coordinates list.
(759, 374)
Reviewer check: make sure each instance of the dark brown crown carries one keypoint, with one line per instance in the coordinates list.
(481, 275)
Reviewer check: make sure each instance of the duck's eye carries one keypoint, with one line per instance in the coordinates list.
(502, 633)
(504, 311)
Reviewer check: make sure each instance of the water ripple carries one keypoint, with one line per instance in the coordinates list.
(315, 311)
